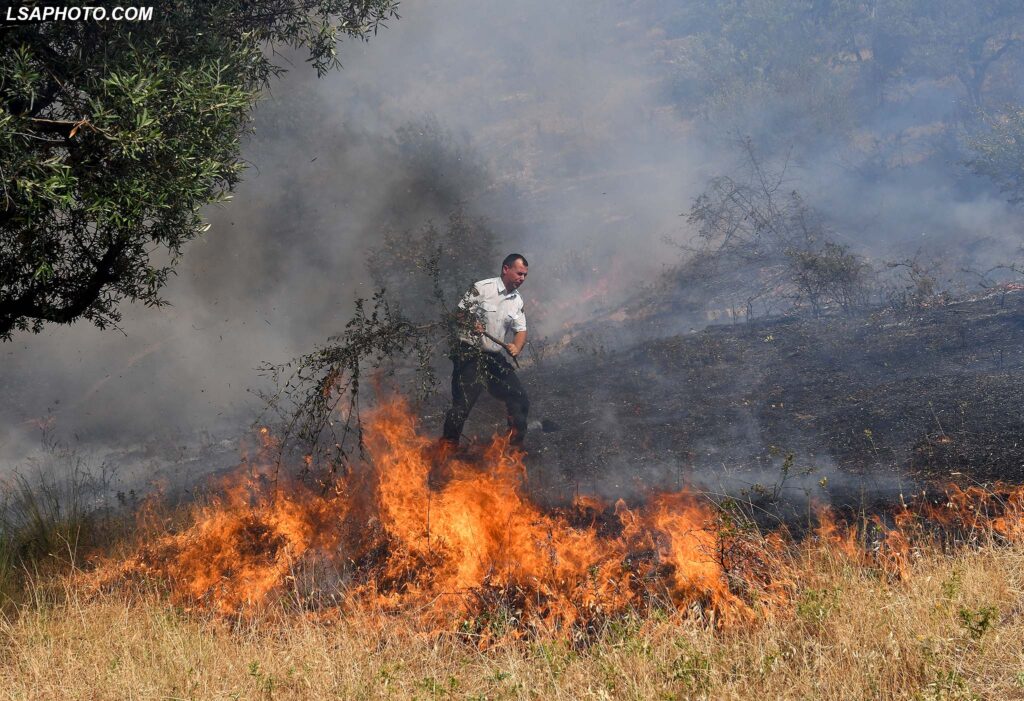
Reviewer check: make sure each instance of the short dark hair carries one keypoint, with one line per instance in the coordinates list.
(510, 260)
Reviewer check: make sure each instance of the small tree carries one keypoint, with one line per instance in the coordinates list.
(419, 269)
(399, 333)
(829, 276)
(318, 396)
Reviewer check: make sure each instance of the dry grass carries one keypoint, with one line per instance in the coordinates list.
(952, 630)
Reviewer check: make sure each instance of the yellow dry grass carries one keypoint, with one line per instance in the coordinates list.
(952, 629)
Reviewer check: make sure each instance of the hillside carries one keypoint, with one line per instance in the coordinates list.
(875, 402)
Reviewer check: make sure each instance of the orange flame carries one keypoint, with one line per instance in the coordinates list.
(455, 554)
(479, 532)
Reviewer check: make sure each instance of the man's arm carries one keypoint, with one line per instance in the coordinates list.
(518, 342)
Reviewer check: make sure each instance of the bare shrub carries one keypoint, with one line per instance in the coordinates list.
(768, 247)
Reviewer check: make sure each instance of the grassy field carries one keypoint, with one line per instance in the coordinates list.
(951, 629)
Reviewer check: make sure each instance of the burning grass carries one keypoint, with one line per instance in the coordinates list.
(393, 582)
(453, 555)
(471, 554)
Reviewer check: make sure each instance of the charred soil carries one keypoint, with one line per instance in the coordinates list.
(870, 403)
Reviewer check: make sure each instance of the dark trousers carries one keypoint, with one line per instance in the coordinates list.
(474, 369)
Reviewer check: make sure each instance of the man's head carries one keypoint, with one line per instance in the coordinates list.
(513, 271)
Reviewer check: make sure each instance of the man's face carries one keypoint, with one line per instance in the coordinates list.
(514, 275)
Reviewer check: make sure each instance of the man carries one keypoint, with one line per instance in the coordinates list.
(490, 310)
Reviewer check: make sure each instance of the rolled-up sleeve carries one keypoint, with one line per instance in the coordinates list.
(519, 320)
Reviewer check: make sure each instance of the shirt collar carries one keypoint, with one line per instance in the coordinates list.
(508, 294)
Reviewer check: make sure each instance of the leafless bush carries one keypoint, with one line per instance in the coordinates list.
(770, 247)
(914, 283)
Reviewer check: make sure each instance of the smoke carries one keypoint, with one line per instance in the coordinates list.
(558, 123)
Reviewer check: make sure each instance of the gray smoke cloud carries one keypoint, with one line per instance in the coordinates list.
(560, 128)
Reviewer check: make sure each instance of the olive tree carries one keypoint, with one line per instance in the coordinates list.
(114, 135)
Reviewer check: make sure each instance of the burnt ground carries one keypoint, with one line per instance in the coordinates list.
(873, 405)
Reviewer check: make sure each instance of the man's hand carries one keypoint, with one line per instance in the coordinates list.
(517, 345)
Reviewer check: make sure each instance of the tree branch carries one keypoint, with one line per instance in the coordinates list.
(28, 304)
